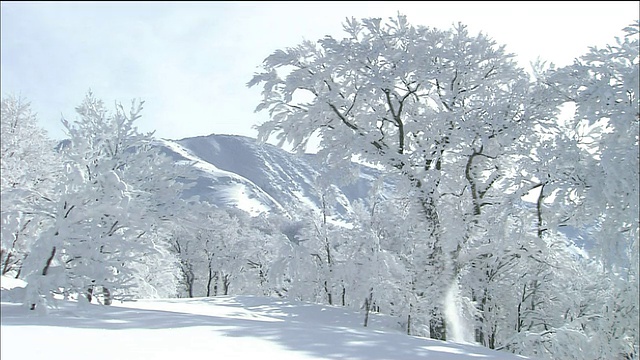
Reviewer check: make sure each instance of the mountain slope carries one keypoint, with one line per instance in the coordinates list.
(237, 171)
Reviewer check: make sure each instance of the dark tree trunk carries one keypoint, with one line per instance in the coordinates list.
(212, 278)
(107, 295)
(7, 260)
(189, 278)
(226, 282)
(367, 308)
(90, 293)
(326, 289)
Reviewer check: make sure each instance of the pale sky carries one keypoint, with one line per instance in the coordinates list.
(190, 61)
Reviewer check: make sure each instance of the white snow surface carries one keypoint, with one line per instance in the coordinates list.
(225, 327)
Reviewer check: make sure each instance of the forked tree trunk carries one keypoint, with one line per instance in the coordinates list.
(226, 282)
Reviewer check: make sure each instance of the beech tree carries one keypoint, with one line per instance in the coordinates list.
(434, 106)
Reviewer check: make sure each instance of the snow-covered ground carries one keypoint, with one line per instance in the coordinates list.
(227, 327)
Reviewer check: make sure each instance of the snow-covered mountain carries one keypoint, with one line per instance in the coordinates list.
(237, 171)
(240, 172)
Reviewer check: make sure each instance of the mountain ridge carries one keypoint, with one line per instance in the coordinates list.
(238, 171)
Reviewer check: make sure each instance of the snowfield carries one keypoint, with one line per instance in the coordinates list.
(226, 327)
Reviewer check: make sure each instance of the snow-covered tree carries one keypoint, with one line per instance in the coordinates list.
(107, 208)
(603, 86)
(223, 252)
(28, 170)
(437, 107)
(379, 269)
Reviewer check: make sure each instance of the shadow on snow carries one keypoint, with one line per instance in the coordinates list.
(328, 332)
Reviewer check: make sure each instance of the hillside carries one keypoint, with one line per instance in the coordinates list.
(237, 171)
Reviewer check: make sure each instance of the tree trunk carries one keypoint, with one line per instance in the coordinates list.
(107, 296)
(189, 279)
(367, 307)
(437, 325)
(327, 247)
(226, 281)
(212, 275)
(215, 286)
(90, 293)
(326, 290)
(479, 332)
(190, 287)
(45, 270)
(7, 256)
(492, 338)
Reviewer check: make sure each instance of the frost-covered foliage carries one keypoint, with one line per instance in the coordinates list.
(604, 86)
(106, 211)
(222, 251)
(441, 108)
(28, 170)
(467, 133)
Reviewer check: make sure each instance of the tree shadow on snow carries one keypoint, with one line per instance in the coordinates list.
(324, 331)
